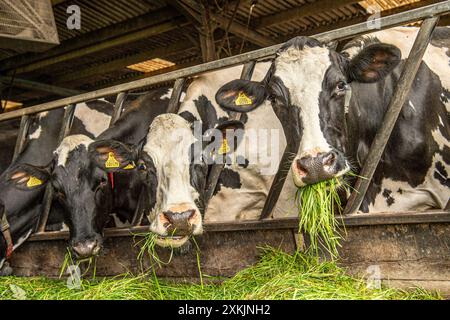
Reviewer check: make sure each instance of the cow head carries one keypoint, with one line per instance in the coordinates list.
(83, 191)
(20, 183)
(174, 174)
(307, 85)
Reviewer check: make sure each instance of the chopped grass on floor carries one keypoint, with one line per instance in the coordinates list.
(277, 276)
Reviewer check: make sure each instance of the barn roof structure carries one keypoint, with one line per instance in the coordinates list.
(124, 40)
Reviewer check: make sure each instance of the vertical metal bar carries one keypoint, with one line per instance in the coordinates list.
(395, 106)
(48, 195)
(25, 122)
(216, 169)
(140, 210)
(277, 183)
(174, 103)
(447, 207)
(118, 107)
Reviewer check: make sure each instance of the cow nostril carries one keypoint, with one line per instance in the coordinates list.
(329, 159)
(301, 166)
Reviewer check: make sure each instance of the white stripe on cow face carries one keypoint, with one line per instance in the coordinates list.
(302, 72)
(68, 144)
(168, 144)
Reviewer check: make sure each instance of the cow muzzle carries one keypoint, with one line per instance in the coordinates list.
(179, 223)
(313, 169)
(87, 248)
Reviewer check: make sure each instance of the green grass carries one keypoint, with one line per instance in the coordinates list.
(318, 204)
(278, 275)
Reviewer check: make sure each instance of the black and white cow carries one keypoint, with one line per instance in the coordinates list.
(307, 87)
(176, 173)
(21, 184)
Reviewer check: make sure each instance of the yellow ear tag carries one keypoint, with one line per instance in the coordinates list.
(130, 166)
(33, 182)
(224, 148)
(242, 99)
(112, 162)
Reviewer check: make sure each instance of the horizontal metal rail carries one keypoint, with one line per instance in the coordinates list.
(342, 33)
(353, 220)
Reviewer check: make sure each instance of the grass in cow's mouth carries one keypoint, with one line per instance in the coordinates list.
(69, 265)
(318, 204)
(277, 276)
(147, 246)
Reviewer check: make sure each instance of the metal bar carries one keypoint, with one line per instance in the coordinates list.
(38, 86)
(278, 183)
(447, 207)
(346, 32)
(174, 103)
(118, 107)
(25, 122)
(48, 195)
(140, 210)
(395, 106)
(216, 169)
(355, 220)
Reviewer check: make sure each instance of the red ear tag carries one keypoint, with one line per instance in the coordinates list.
(9, 250)
(111, 179)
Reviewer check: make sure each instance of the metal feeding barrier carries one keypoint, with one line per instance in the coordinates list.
(430, 16)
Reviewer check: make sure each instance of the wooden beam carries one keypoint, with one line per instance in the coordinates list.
(91, 39)
(372, 219)
(304, 10)
(38, 86)
(236, 28)
(114, 65)
(361, 19)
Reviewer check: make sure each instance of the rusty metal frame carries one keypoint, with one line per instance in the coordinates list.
(430, 14)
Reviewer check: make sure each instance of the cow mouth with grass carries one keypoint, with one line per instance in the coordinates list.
(308, 86)
(173, 184)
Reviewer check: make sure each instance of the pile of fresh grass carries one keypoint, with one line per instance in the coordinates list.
(277, 276)
(318, 203)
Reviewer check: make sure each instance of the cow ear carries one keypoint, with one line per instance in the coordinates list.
(112, 155)
(241, 95)
(373, 63)
(28, 177)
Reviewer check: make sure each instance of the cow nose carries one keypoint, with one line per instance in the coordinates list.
(315, 169)
(86, 249)
(179, 223)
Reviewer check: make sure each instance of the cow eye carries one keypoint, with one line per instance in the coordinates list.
(341, 86)
(142, 166)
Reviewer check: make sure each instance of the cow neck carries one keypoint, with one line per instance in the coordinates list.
(6, 233)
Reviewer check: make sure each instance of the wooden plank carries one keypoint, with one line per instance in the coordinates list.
(304, 10)
(393, 111)
(25, 122)
(385, 22)
(354, 220)
(48, 195)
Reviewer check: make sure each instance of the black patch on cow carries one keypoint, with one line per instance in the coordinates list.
(299, 43)
(228, 178)
(207, 112)
(242, 161)
(188, 116)
(441, 174)
(400, 190)
(446, 154)
(445, 96)
(441, 38)
(388, 195)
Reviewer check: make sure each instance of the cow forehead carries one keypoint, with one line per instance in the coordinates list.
(169, 139)
(69, 144)
(302, 71)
